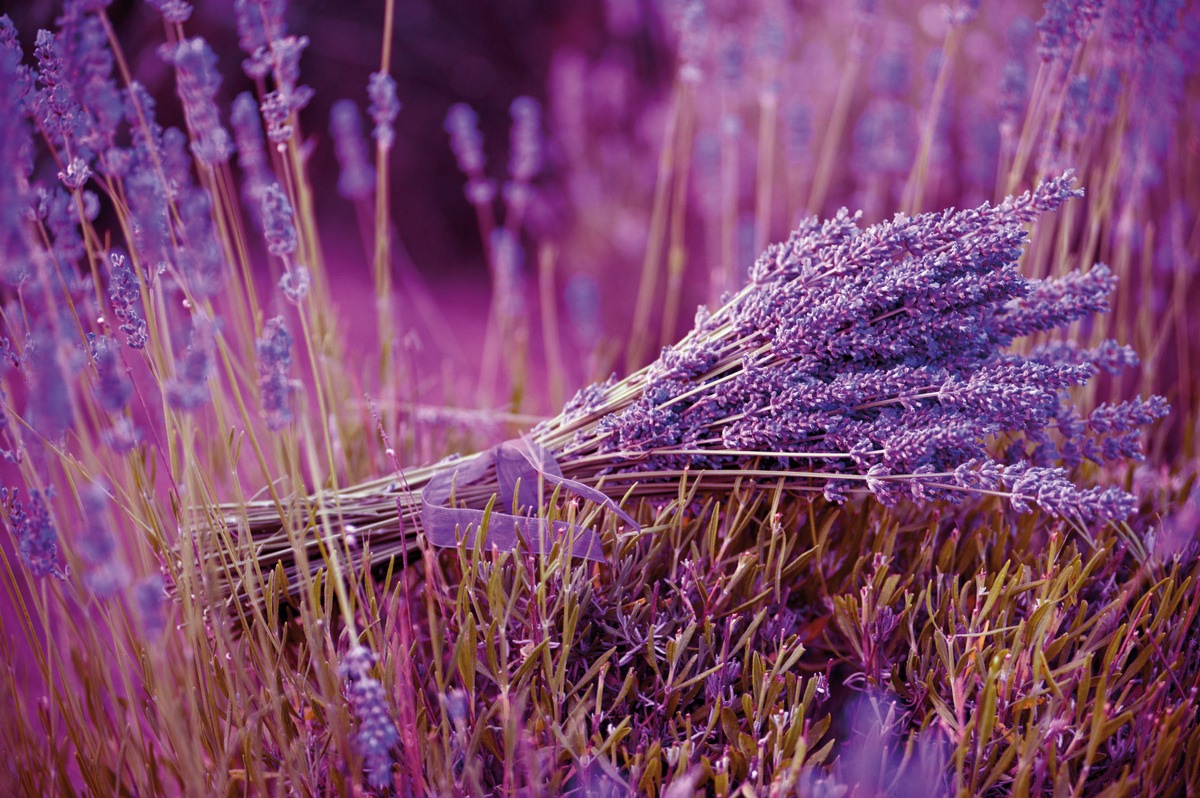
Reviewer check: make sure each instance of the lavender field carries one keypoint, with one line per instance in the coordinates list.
(632, 397)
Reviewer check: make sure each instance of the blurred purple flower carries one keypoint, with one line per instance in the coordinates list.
(525, 155)
(274, 350)
(376, 735)
(198, 81)
(252, 158)
(259, 22)
(34, 532)
(357, 178)
(285, 54)
(384, 107)
(49, 409)
(113, 386)
(97, 545)
(188, 389)
(462, 123)
(508, 259)
(150, 600)
(279, 225)
(1065, 25)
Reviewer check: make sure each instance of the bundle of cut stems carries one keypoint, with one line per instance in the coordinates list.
(872, 362)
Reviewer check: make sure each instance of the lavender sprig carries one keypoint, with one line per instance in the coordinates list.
(377, 735)
(357, 178)
(274, 350)
(34, 530)
(196, 68)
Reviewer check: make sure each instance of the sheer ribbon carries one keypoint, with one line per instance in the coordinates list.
(520, 466)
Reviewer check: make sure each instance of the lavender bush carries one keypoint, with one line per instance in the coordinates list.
(900, 514)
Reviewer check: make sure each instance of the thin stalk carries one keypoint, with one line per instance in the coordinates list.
(677, 251)
(635, 352)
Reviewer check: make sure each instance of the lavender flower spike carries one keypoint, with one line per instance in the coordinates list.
(357, 179)
(279, 225)
(462, 124)
(525, 157)
(384, 107)
(196, 70)
(377, 734)
(34, 531)
(174, 11)
(274, 350)
(188, 390)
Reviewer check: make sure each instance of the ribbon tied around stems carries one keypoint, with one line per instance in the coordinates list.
(520, 466)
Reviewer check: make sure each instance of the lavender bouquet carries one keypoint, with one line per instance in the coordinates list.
(880, 362)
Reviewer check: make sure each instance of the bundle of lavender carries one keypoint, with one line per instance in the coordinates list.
(856, 362)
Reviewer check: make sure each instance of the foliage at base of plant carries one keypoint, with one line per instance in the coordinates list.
(753, 644)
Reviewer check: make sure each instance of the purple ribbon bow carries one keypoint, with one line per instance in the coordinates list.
(519, 464)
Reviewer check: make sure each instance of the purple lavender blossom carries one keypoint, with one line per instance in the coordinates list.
(113, 386)
(582, 297)
(890, 75)
(279, 225)
(384, 107)
(57, 108)
(188, 389)
(248, 133)
(126, 301)
(885, 139)
(357, 178)
(891, 380)
(251, 16)
(252, 158)
(798, 133)
(76, 174)
(16, 87)
(175, 12)
(198, 80)
(57, 208)
(274, 350)
(88, 65)
(34, 532)
(150, 599)
(97, 545)
(259, 22)
(122, 436)
(376, 735)
(146, 189)
(201, 259)
(508, 262)
(295, 284)
(285, 54)
(277, 115)
(49, 409)
(462, 123)
(525, 154)
(1064, 26)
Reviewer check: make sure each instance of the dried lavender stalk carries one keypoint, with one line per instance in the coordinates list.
(856, 361)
